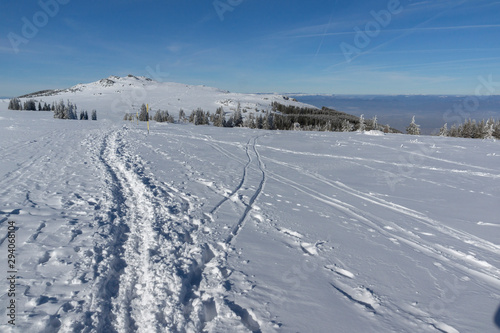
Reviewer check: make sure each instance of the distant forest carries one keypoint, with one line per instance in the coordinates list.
(61, 110)
(282, 118)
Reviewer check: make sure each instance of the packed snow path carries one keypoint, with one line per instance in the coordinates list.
(200, 229)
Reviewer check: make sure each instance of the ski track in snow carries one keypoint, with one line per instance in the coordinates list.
(159, 277)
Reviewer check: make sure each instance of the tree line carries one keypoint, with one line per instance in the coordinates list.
(484, 129)
(61, 110)
(282, 117)
(29, 105)
(70, 111)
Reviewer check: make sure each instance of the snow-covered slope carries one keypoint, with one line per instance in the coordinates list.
(115, 96)
(209, 229)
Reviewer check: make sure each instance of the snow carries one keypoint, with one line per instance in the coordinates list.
(115, 96)
(197, 228)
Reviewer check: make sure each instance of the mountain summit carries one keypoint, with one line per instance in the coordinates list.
(114, 96)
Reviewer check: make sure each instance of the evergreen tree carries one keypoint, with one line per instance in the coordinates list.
(238, 118)
(59, 110)
(70, 111)
(260, 122)
(270, 121)
(143, 114)
(346, 126)
(453, 132)
(14, 104)
(443, 131)
(361, 125)
(413, 129)
(489, 129)
(374, 123)
(182, 116)
(229, 122)
(30, 105)
(265, 122)
(157, 117)
(219, 117)
(249, 121)
(94, 115)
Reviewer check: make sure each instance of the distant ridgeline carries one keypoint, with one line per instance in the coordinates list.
(61, 110)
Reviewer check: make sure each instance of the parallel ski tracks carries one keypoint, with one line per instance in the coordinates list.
(488, 275)
(239, 225)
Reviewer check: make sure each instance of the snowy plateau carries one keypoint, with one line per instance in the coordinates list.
(205, 229)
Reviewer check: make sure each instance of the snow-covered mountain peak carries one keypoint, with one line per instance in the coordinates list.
(114, 96)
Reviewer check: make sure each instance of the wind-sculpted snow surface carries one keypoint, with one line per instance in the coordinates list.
(202, 229)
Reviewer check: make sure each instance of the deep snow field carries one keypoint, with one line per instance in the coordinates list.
(197, 228)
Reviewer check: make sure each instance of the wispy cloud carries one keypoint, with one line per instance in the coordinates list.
(414, 29)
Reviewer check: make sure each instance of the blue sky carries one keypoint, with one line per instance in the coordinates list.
(332, 47)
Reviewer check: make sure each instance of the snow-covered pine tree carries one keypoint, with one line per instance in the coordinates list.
(157, 117)
(346, 126)
(249, 121)
(490, 129)
(59, 109)
(443, 131)
(374, 123)
(94, 115)
(413, 128)
(71, 111)
(453, 132)
(270, 121)
(15, 104)
(229, 122)
(143, 114)
(259, 123)
(265, 122)
(238, 118)
(219, 118)
(30, 105)
(182, 116)
(361, 125)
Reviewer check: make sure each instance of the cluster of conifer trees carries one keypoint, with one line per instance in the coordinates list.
(29, 105)
(69, 111)
(61, 110)
(484, 129)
